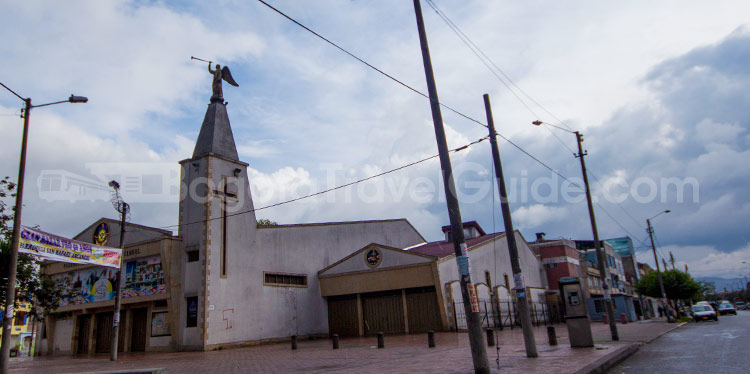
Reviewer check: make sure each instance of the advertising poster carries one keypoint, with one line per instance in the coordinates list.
(160, 324)
(141, 277)
(56, 248)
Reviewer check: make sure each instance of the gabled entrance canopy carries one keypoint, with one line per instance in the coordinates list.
(378, 268)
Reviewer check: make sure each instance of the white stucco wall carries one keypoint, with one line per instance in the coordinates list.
(493, 256)
(245, 309)
(238, 307)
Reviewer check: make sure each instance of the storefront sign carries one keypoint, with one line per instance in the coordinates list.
(56, 248)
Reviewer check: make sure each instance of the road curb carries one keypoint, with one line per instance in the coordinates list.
(131, 371)
(660, 335)
(607, 362)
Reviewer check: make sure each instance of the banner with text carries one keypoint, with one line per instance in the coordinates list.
(56, 248)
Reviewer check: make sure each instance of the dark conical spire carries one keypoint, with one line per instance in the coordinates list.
(216, 133)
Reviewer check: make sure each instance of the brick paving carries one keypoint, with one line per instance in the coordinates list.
(402, 353)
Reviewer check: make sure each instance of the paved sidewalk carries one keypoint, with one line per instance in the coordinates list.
(402, 354)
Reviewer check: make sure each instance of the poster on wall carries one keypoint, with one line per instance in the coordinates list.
(141, 277)
(160, 324)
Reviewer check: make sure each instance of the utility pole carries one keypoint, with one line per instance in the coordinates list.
(471, 303)
(123, 208)
(522, 297)
(671, 259)
(600, 257)
(658, 271)
(663, 261)
(10, 294)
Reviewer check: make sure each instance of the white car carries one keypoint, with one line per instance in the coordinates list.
(727, 308)
(704, 313)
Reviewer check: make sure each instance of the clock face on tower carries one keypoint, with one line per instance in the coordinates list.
(373, 257)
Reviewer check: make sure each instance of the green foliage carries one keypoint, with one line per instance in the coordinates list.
(266, 222)
(678, 285)
(31, 285)
(7, 195)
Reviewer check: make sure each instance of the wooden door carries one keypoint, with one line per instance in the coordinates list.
(342, 315)
(103, 332)
(84, 322)
(422, 309)
(383, 312)
(138, 332)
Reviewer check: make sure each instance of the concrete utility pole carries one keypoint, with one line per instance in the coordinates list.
(658, 271)
(10, 294)
(471, 303)
(523, 306)
(600, 257)
(123, 208)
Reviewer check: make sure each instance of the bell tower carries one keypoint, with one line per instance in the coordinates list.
(217, 223)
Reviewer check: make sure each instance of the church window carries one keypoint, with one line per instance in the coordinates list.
(193, 256)
(284, 280)
(192, 311)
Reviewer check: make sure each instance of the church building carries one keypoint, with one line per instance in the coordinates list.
(223, 280)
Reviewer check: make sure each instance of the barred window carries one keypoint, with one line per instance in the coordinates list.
(598, 306)
(193, 256)
(281, 279)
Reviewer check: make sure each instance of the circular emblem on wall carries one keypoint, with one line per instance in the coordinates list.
(373, 257)
(101, 234)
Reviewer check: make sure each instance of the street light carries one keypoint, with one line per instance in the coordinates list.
(10, 296)
(656, 260)
(122, 207)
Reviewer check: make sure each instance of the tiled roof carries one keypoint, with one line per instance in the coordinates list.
(442, 248)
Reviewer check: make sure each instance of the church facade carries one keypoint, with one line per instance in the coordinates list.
(223, 280)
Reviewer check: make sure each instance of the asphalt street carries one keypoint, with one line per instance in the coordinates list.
(704, 347)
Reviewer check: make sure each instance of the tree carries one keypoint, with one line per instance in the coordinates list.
(266, 222)
(678, 285)
(27, 265)
(31, 284)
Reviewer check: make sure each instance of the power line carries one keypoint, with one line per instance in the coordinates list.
(485, 60)
(540, 161)
(490, 64)
(474, 49)
(412, 89)
(637, 223)
(488, 61)
(368, 64)
(331, 189)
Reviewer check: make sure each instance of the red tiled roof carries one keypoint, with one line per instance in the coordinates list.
(442, 248)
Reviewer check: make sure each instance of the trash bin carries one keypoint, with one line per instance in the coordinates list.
(14, 352)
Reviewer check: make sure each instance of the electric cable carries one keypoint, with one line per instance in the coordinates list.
(330, 189)
(488, 61)
(369, 65)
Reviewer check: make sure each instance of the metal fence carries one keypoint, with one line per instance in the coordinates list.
(505, 314)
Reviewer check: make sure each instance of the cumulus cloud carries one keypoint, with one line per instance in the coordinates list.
(654, 107)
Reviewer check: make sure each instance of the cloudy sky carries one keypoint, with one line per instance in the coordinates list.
(657, 88)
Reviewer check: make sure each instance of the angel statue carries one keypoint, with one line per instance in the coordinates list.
(219, 74)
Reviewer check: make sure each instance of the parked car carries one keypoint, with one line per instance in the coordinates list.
(740, 305)
(704, 313)
(727, 308)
